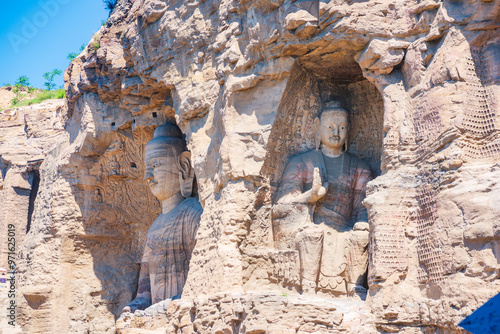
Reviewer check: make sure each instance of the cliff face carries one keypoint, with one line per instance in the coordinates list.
(244, 80)
(27, 135)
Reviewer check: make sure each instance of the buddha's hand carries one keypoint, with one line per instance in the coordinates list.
(318, 189)
(361, 226)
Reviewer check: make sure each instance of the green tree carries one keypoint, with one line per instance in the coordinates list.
(49, 76)
(23, 81)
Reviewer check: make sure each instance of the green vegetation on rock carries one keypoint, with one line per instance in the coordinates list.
(72, 55)
(44, 95)
(110, 5)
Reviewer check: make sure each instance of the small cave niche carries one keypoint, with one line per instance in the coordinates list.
(35, 300)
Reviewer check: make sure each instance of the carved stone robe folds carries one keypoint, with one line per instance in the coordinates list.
(347, 176)
(171, 239)
(325, 236)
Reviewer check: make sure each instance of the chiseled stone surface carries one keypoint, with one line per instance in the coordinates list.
(244, 80)
(254, 313)
(27, 135)
(319, 222)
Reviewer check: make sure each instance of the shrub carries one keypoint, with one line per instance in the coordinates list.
(23, 81)
(72, 55)
(95, 45)
(17, 90)
(16, 100)
(110, 5)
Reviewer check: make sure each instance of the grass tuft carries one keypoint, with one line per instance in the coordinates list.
(44, 95)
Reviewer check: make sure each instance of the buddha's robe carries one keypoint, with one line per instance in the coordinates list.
(347, 177)
(165, 263)
(324, 246)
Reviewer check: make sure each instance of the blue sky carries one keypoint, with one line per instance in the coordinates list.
(37, 35)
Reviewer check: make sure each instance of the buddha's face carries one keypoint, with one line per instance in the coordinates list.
(333, 129)
(162, 173)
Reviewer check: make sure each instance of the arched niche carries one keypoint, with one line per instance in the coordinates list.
(311, 84)
(308, 87)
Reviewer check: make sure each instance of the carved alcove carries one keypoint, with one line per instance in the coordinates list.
(116, 204)
(308, 87)
(311, 84)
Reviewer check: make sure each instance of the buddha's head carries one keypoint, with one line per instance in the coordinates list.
(168, 168)
(333, 126)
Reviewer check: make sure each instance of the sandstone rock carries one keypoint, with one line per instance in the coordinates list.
(244, 84)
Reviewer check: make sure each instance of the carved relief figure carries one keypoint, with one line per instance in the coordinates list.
(115, 166)
(319, 212)
(171, 237)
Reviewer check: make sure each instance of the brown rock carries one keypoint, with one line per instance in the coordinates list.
(421, 82)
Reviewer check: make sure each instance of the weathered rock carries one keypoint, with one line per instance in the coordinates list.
(255, 313)
(244, 81)
(27, 135)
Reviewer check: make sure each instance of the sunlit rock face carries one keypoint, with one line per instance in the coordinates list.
(245, 81)
(27, 135)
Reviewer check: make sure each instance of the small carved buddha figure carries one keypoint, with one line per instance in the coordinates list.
(171, 237)
(331, 234)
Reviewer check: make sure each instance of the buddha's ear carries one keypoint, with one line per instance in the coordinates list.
(186, 175)
(317, 135)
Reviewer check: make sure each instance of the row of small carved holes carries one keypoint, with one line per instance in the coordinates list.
(479, 119)
(427, 254)
(390, 245)
(477, 151)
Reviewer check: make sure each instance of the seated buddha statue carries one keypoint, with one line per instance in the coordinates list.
(319, 210)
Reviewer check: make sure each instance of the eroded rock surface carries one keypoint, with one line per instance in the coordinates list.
(27, 135)
(244, 80)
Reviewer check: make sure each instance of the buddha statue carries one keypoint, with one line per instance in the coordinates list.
(171, 237)
(319, 210)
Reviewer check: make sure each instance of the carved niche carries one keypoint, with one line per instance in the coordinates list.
(319, 223)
